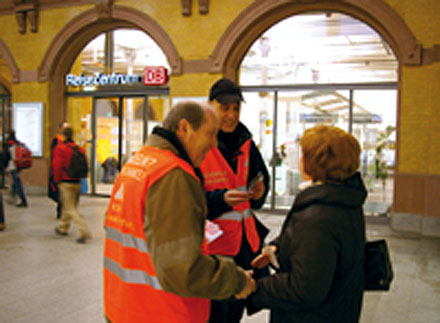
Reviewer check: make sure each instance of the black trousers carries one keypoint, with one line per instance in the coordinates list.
(231, 310)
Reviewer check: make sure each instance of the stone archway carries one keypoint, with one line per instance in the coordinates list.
(261, 15)
(10, 63)
(69, 42)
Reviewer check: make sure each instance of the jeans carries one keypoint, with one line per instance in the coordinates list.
(17, 187)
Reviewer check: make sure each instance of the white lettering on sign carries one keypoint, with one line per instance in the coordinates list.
(102, 79)
(155, 75)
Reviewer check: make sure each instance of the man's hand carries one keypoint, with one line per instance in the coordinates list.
(257, 190)
(250, 286)
(266, 257)
(233, 197)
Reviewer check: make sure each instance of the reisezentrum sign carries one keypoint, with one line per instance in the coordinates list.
(153, 75)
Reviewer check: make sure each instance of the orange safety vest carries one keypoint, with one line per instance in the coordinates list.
(218, 175)
(132, 292)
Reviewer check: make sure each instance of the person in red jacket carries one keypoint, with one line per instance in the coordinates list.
(69, 188)
(52, 191)
(17, 186)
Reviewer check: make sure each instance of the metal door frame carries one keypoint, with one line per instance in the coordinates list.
(275, 89)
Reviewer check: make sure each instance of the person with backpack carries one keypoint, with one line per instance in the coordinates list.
(15, 166)
(69, 165)
(52, 190)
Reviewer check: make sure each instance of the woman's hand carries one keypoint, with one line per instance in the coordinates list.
(266, 257)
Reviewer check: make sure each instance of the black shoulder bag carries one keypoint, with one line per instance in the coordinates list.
(378, 268)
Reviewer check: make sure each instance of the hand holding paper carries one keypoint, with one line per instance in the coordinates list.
(266, 257)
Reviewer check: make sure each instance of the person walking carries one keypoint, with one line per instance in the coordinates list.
(156, 266)
(236, 180)
(320, 250)
(17, 186)
(69, 187)
(2, 214)
(53, 191)
(4, 160)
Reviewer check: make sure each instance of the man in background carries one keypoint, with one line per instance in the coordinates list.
(53, 192)
(69, 187)
(236, 180)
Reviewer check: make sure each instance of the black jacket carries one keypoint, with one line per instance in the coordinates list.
(229, 145)
(321, 256)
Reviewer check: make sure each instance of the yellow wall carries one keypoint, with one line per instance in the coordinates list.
(196, 36)
(29, 49)
(419, 116)
(192, 84)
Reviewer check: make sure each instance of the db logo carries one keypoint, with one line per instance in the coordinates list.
(155, 75)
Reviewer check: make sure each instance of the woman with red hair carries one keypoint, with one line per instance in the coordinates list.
(320, 250)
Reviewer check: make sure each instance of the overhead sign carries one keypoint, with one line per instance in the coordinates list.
(102, 79)
(155, 75)
(318, 117)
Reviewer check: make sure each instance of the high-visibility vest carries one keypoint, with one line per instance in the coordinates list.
(132, 292)
(218, 175)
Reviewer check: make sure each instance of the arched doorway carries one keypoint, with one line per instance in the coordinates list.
(322, 67)
(110, 108)
(61, 58)
(261, 15)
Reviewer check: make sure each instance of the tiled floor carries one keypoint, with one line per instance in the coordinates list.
(48, 278)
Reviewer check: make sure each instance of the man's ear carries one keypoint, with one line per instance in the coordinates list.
(183, 128)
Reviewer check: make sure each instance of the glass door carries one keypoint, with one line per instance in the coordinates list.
(106, 150)
(120, 131)
(112, 128)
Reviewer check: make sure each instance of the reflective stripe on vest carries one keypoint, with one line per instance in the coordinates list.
(131, 276)
(219, 175)
(236, 215)
(126, 239)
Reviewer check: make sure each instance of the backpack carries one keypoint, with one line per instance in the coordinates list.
(23, 156)
(78, 167)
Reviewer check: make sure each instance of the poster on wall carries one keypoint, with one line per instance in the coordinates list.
(28, 125)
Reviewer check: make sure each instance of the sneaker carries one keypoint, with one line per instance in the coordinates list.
(59, 232)
(22, 205)
(2, 226)
(83, 238)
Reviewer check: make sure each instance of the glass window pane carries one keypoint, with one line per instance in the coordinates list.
(377, 136)
(123, 51)
(257, 115)
(318, 47)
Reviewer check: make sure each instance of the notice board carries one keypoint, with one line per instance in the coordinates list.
(28, 125)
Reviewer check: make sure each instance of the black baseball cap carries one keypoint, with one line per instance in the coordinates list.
(225, 91)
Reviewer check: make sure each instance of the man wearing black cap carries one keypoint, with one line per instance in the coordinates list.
(236, 180)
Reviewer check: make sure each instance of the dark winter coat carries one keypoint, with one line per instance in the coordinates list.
(321, 257)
